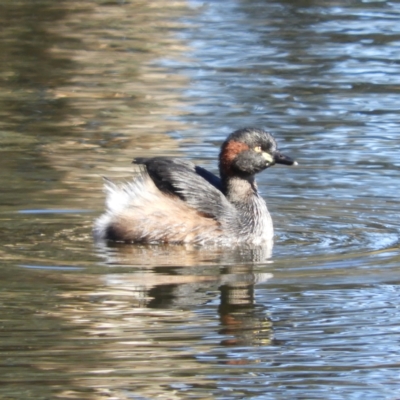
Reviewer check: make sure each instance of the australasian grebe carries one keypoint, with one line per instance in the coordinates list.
(175, 201)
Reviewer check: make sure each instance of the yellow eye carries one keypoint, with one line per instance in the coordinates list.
(258, 149)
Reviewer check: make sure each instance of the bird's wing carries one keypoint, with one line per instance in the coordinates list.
(198, 187)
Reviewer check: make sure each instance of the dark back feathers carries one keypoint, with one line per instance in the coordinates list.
(195, 185)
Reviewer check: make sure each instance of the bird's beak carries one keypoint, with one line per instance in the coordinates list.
(280, 158)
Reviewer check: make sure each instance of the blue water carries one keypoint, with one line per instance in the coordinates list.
(88, 86)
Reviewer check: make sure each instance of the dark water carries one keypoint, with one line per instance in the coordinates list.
(87, 86)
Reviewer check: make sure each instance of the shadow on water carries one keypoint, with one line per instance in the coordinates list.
(28, 70)
(132, 324)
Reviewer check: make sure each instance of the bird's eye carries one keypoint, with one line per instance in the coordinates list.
(258, 149)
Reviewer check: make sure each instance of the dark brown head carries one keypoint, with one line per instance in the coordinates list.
(248, 151)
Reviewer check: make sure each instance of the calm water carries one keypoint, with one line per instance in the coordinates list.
(87, 86)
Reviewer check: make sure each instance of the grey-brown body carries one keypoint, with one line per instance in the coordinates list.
(174, 201)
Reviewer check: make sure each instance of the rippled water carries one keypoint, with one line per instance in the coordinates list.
(87, 86)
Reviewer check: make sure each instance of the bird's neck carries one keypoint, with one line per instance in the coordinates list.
(254, 219)
(239, 190)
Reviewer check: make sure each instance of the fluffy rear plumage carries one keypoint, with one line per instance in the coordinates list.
(139, 212)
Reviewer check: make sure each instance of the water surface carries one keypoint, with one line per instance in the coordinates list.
(87, 86)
